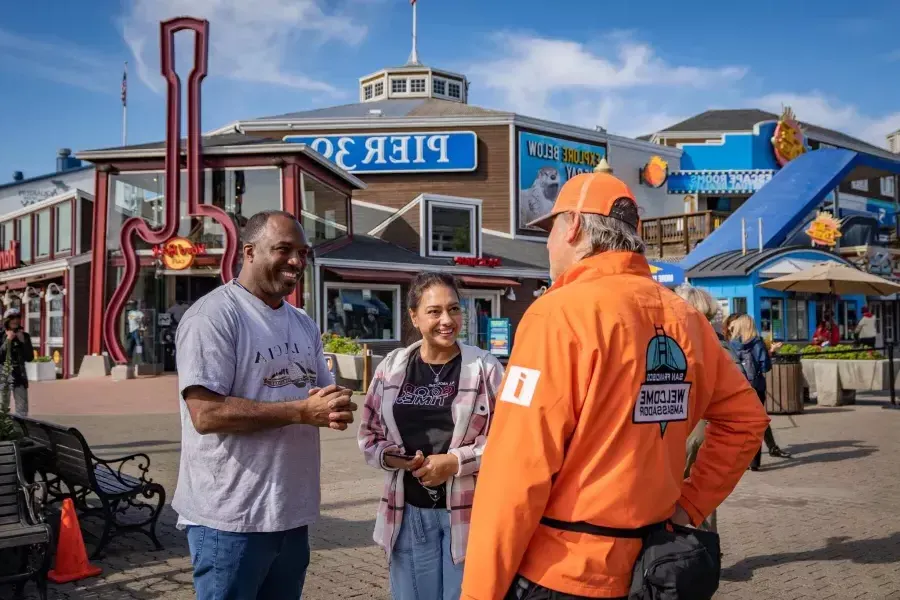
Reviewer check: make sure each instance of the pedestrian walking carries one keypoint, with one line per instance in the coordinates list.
(425, 421)
(866, 330)
(255, 389)
(16, 349)
(609, 374)
(756, 362)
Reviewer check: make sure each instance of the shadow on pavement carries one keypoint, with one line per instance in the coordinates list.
(866, 552)
(805, 454)
(331, 533)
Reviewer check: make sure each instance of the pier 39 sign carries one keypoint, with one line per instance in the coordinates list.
(405, 152)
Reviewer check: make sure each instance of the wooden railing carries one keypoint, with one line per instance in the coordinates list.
(678, 234)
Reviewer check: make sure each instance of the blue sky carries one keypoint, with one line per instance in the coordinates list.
(630, 69)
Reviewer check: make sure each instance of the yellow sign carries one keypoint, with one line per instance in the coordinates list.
(824, 230)
(56, 356)
(178, 253)
(787, 140)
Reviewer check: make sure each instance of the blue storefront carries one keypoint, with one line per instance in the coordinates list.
(733, 278)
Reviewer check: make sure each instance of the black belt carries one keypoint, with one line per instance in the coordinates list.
(584, 527)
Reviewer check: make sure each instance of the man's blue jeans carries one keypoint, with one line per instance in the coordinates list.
(248, 566)
(421, 565)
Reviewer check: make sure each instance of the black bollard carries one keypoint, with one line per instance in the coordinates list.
(890, 353)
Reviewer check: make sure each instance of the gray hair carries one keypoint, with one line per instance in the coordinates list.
(699, 299)
(607, 234)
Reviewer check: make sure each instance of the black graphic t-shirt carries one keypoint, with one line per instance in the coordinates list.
(423, 415)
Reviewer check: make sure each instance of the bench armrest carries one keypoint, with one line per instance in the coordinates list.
(34, 493)
(115, 466)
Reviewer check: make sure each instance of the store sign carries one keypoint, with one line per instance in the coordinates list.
(409, 152)
(788, 141)
(655, 172)
(545, 164)
(667, 274)
(499, 336)
(178, 253)
(9, 258)
(824, 230)
(719, 182)
(471, 261)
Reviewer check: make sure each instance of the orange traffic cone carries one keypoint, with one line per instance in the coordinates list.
(71, 562)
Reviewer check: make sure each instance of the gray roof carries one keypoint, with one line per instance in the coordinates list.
(520, 252)
(392, 108)
(745, 118)
(211, 141)
(367, 248)
(366, 219)
(736, 264)
(47, 176)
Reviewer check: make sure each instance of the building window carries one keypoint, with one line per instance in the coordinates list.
(34, 319)
(398, 86)
(454, 90)
(439, 86)
(452, 229)
(797, 320)
(860, 185)
(42, 234)
(740, 305)
(379, 89)
(9, 233)
(63, 239)
(25, 238)
(887, 187)
(324, 211)
(55, 319)
(367, 91)
(771, 318)
(417, 86)
(363, 312)
(847, 318)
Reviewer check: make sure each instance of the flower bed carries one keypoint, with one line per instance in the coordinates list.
(839, 352)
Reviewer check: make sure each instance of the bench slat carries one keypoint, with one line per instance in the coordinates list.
(7, 469)
(27, 536)
(9, 479)
(9, 519)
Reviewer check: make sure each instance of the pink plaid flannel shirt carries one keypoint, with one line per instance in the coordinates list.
(472, 408)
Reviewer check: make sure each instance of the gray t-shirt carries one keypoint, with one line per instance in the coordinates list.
(234, 344)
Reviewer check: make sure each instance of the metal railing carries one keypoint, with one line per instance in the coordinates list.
(677, 235)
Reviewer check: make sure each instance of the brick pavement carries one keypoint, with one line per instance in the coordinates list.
(822, 525)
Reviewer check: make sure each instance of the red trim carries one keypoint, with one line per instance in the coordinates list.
(372, 276)
(292, 201)
(68, 280)
(98, 262)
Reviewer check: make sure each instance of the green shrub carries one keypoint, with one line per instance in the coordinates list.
(43, 359)
(847, 352)
(336, 344)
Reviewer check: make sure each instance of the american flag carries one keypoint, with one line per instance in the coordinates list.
(124, 86)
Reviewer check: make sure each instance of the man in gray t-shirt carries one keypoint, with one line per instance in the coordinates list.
(255, 390)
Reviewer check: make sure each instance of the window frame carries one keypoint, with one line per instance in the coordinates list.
(376, 93)
(301, 212)
(801, 304)
(427, 216)
(382, 287)
(36, 215)
(56, 224)
(368, 91)
(405, 81)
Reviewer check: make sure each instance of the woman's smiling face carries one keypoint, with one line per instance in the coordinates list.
(439, 316)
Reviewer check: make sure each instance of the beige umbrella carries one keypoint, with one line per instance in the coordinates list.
(833, 278)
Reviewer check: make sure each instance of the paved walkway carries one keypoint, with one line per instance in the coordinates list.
(822, 525)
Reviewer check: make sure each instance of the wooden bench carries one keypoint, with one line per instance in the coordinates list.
(23, 534)
(71, 470)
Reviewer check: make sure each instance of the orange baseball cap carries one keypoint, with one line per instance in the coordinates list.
(594, 193)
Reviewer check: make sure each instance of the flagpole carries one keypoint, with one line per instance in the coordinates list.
(414, 57)
(125, 105)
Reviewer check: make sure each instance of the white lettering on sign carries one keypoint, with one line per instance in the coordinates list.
(662, 402)
(399, 154)
(438, 143)
(520, 385)
(375, 147)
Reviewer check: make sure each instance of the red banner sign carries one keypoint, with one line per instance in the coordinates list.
(9, 259)
(471, 261)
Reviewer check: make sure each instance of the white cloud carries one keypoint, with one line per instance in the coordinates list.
(565, 80)
(254, 41)
(59, 61)
(824, 111)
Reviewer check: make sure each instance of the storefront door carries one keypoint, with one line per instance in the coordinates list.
(478, 307)
(53, 338)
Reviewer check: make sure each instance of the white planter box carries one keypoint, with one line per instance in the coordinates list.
(40, 371)
(349, 368)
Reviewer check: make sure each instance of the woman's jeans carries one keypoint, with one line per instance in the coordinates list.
(421, 564)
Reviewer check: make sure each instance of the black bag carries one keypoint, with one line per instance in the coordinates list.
(675, 563)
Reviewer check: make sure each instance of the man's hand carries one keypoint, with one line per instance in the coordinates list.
(681, 517)
(328, 407)
(395, 462)
(437, 469)
(10, 334)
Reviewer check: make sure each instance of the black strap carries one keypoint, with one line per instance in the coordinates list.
(583, 527)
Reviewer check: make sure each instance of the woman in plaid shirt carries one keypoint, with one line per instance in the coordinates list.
(425, 422)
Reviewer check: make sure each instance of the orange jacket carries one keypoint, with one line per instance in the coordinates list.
(609, 373)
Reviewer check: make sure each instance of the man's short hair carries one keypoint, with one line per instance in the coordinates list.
(615, 233)
(256, 224)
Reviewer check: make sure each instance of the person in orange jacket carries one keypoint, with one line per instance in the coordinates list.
(609, 374)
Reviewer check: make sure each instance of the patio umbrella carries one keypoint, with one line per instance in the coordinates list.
(833, 278)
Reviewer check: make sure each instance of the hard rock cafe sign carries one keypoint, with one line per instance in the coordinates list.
(9, 258)
(178, 253)
(824, 230)
(788, 139)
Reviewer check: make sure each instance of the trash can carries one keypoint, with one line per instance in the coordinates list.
(784, 385)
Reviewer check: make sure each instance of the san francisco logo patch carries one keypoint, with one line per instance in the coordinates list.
(665, 394)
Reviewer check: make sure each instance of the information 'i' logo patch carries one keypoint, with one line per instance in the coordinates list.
(664, 395)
